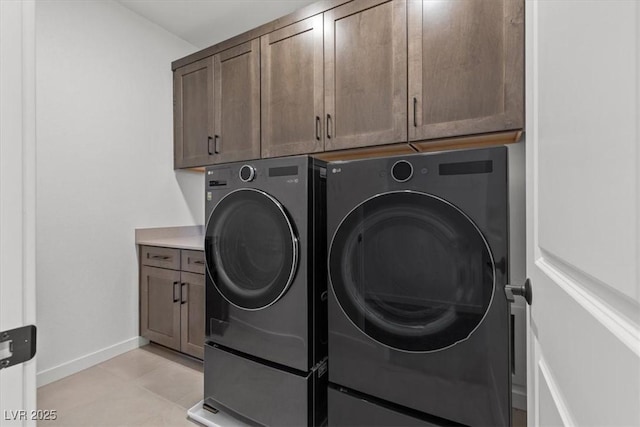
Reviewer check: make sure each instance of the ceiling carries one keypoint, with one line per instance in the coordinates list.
(207, 22)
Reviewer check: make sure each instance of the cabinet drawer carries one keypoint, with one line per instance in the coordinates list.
(193, 261)
(161, 257)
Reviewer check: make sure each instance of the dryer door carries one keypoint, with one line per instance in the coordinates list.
(411, 271)
(251, 249)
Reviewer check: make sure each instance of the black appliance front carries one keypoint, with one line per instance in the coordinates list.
(259, 394)
(352, 409)
(418, 317)
(265, 250)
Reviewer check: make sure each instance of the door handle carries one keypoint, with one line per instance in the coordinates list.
(318, 126)
(176, 292)
(209, 145)
(216, 147)
(329, 123)
(520, 290)
(183, 294)
(160, 257)
(415, 112)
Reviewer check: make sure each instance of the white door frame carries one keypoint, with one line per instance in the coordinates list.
(17, 200)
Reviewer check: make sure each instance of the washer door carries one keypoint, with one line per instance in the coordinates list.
(251, 249)
(411, 271)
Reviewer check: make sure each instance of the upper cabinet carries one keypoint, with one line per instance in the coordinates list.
(292, 89)
(341, 75)
(236, 78)
(336, 81)
(193, 114)
(466, 71)
(217, 108)
(365, 44)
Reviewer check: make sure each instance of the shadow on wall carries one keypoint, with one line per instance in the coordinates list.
(192, 187)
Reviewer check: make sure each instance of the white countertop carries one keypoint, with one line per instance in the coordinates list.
(189, 237)
(194, 243)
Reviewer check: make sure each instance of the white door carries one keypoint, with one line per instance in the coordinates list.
(17, 201)
(583, 202)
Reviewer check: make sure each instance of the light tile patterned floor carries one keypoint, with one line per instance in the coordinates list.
(149, 386)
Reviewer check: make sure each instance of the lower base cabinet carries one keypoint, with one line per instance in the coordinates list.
(172, 301)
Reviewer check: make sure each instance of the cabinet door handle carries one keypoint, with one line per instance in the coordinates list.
(183, 294)
(329, 122)
(176, 292)
(216, 147)
(415, 110)
(160, 257)
(209, 145)
(196, 262)
(318, 126)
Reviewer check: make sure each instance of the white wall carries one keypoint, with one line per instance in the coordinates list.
(104, 129)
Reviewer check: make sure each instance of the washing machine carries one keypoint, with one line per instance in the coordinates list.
(419, 323)
(266, 290)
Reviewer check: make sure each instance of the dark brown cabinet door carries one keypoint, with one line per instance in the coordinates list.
(365, 74)
(292, 89)
(465, 67)
(160, 306)
(192, 314)
(237, 103)
(193, 114)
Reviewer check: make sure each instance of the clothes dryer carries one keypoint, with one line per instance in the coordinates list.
(419, 324)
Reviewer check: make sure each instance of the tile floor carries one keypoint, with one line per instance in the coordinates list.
(150, 386)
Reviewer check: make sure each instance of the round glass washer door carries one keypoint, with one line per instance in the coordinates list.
(411, 271)
(251, 249)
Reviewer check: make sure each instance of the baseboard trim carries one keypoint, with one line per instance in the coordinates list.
(519, 397)
(68, 368)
